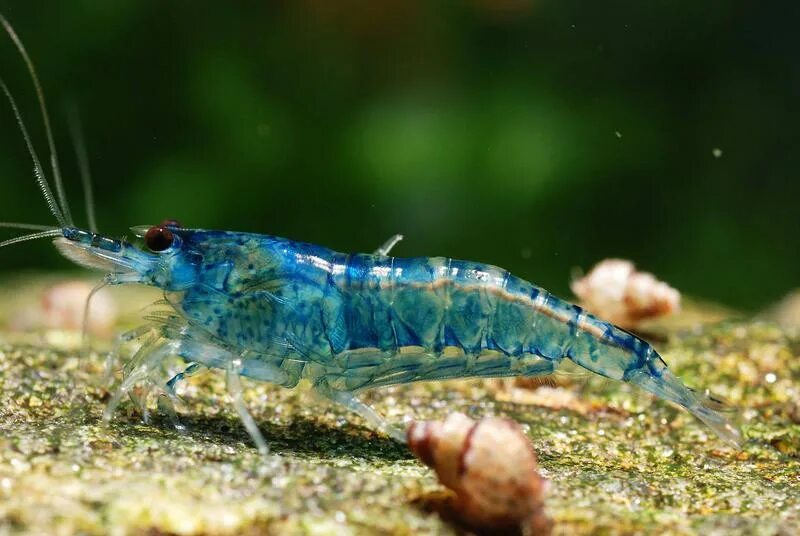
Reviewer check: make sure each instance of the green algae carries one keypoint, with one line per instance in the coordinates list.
(617, 461)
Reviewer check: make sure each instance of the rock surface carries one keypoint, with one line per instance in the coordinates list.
(617, 460)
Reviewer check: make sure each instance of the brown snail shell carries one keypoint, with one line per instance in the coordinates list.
(615, 291)
(489, 464)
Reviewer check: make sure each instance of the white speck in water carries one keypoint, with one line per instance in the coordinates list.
(770, 377)
(563, 420)
(75, 467)
(601, 432)
(618, 134)
(717, 152)
(340, 517)
(573, 26)
(5, 483)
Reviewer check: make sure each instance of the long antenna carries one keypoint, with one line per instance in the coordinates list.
(45, 117)
(37, 166)
(79, 144)
(32, 236)
(29, 226)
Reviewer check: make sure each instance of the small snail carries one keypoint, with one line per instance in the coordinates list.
(615, 291)
(491, 467)
(62, 306)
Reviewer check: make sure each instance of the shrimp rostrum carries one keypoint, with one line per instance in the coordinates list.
(279, 311)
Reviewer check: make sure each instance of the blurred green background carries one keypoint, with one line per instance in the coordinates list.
(539, 136)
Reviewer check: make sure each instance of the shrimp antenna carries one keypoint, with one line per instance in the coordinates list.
(85, 347)
(32, 236)
(45, 118)
(79, 144)
(41, 179)
(30, 226)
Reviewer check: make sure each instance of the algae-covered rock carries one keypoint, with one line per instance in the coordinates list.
(617, 460)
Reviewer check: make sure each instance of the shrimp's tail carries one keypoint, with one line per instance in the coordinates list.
(662, 383)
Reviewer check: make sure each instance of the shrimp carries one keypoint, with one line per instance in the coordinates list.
(280, 311)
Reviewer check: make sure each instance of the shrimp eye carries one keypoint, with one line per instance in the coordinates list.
(158, 238)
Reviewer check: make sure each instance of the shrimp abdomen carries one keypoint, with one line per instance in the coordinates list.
(439, 304)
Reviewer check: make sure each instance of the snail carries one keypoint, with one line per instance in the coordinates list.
(615, 291)
(491, 467)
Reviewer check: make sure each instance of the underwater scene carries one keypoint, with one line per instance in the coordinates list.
(401, 267)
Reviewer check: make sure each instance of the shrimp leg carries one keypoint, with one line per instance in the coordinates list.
(207, 354)
(234, 384)
(191, 369)
(388, 245)
(366, 412)
(140, 369)
(116, 350)
(167, 407)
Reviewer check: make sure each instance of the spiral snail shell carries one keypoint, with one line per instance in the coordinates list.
(615, 291)
(489, 464)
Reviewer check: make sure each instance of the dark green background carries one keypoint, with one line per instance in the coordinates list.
(539, 136)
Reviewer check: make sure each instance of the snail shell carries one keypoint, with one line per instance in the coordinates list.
(615, 291)
(489, 464)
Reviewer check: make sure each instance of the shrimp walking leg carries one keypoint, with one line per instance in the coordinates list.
(167, 407)
(235, 390)
(366, 412)
(204, 354)
(191, 369)
(174, 338)
(141, 368)
(116, 349)
(388, 245)
(148, 368)
(201, 354)
(166, 399)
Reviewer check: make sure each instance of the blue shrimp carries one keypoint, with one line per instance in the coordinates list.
(279, 311)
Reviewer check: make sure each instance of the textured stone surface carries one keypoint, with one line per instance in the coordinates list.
(617, 460)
